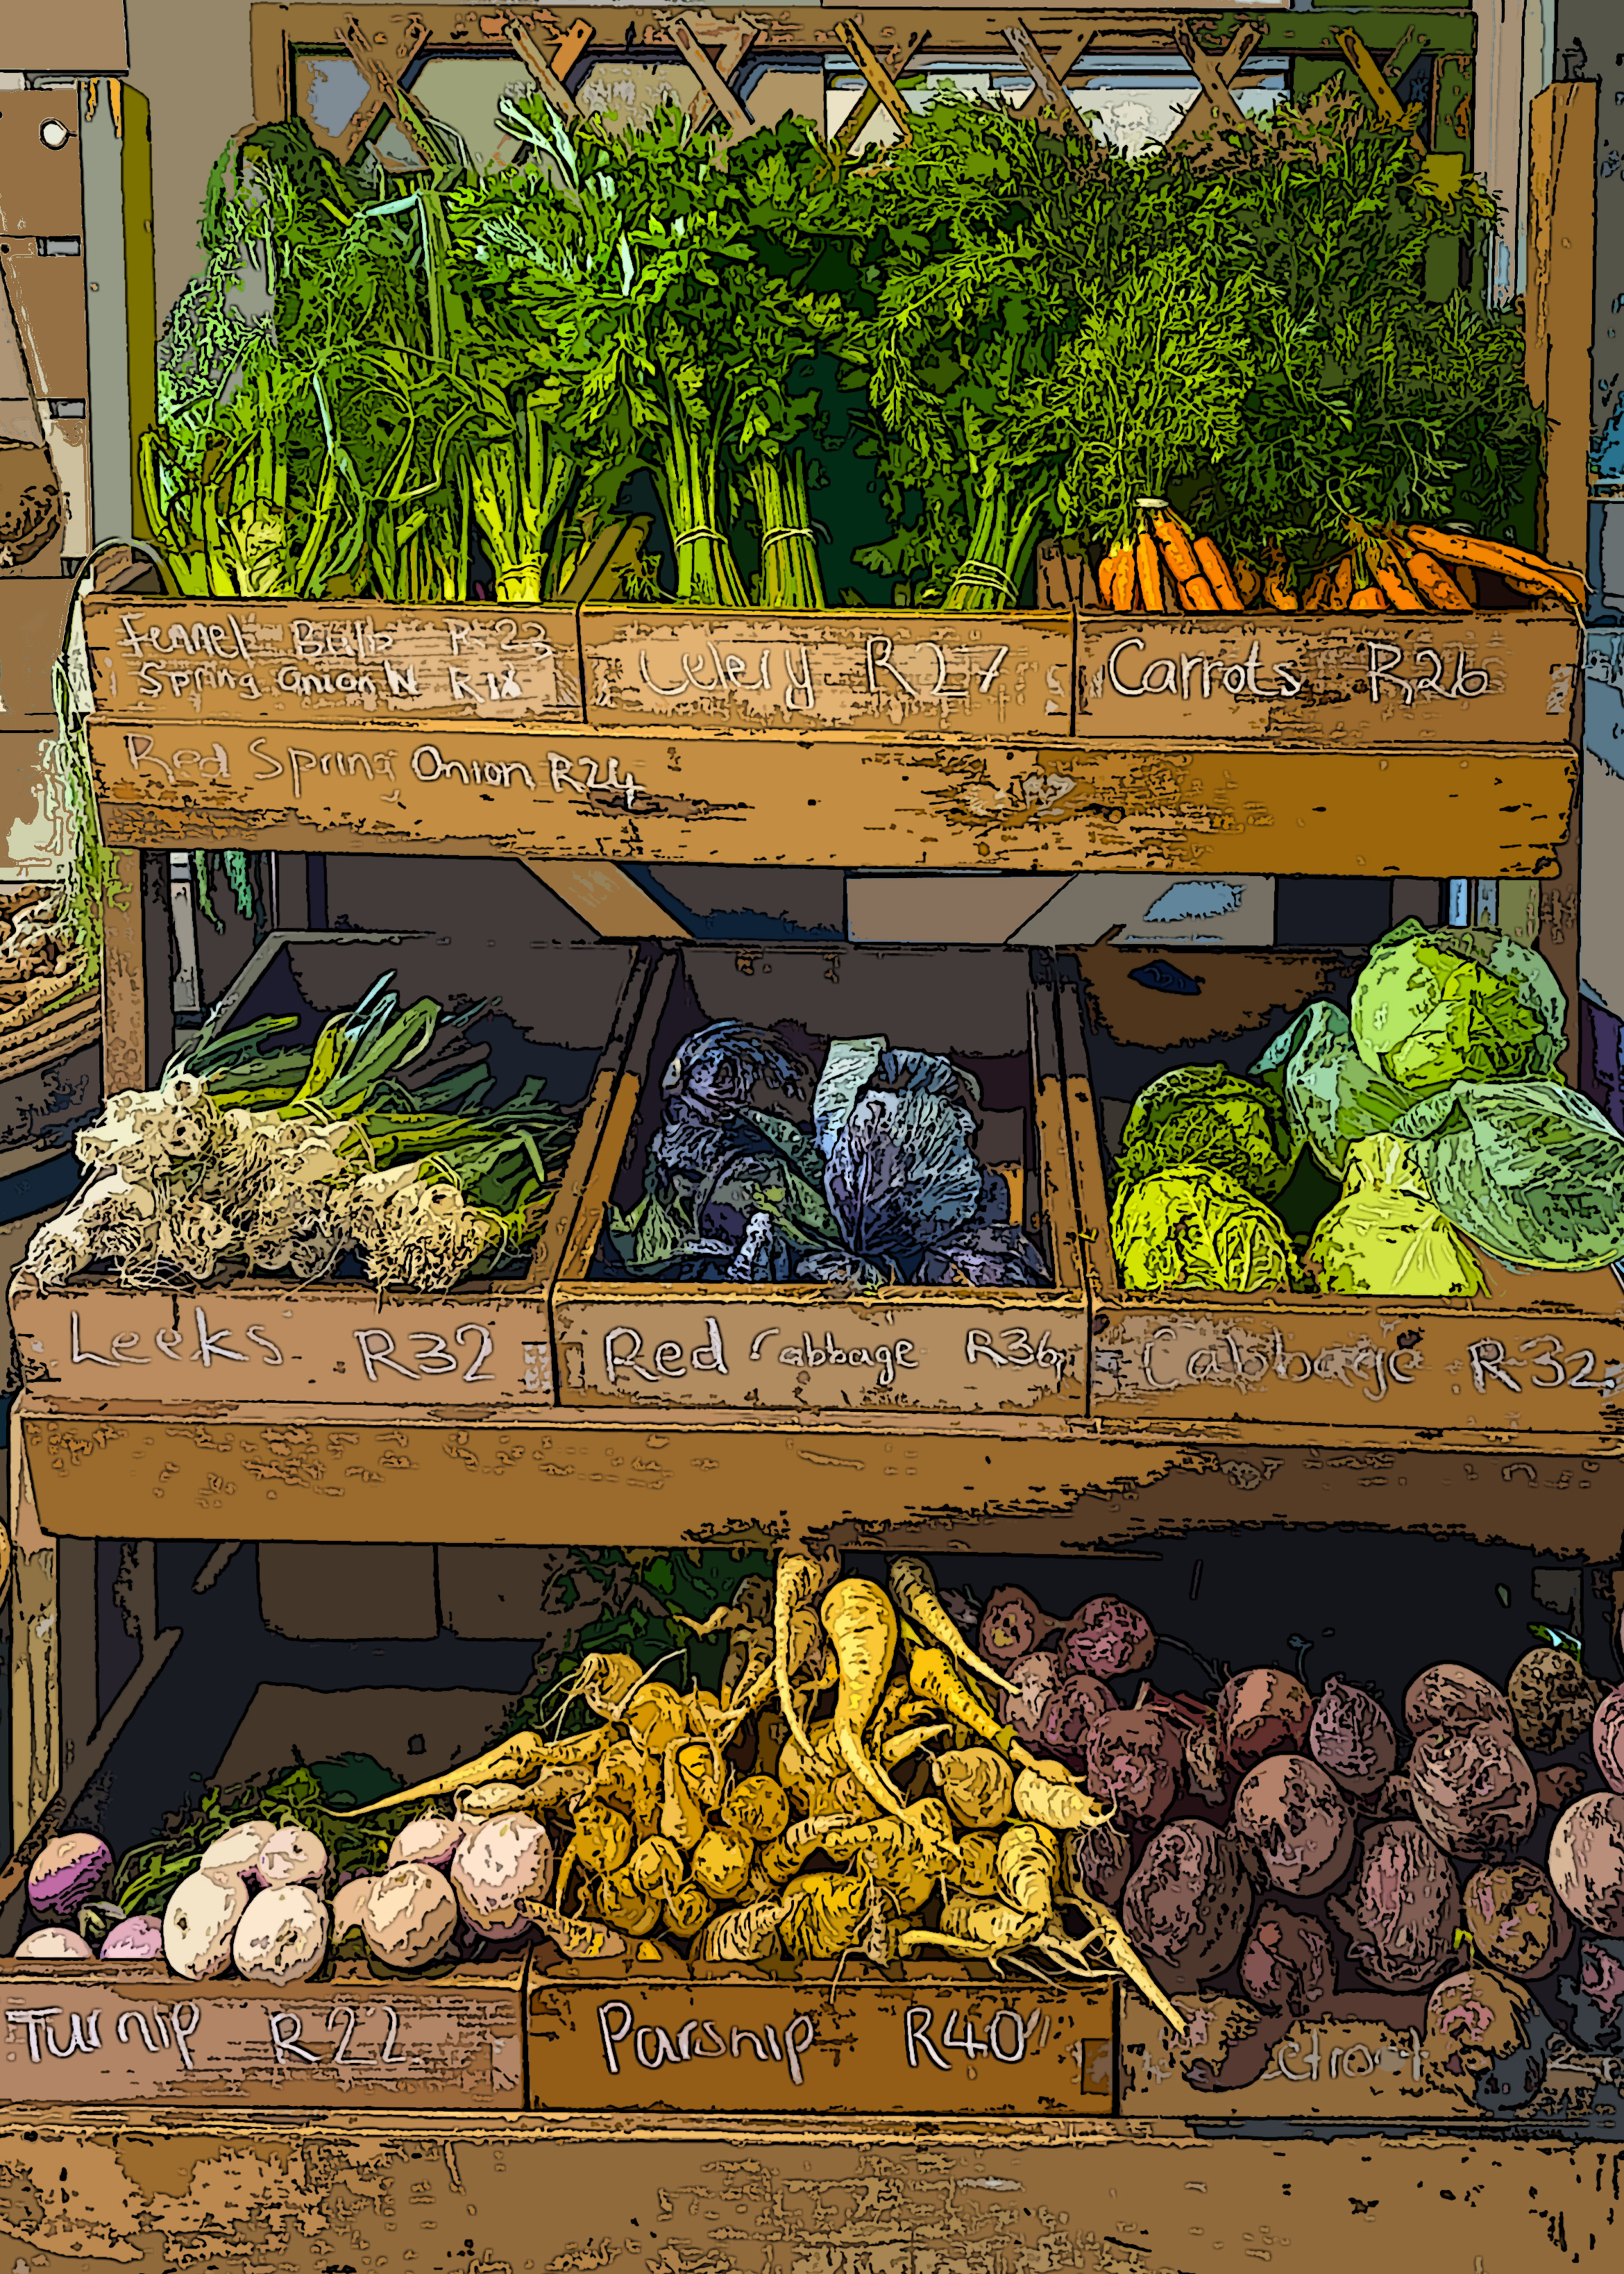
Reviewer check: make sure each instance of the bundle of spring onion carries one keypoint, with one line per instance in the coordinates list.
(245, 1158)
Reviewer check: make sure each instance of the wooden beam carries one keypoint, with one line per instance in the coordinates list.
(381, 64)
(1560, 318)
(1385, 104)
(714, 92)
(1068, 53)
(527, 49)
(879, 79)
(123, 980)
(1214, 105)
(908, 43)
(1047, 82)
(603, 895)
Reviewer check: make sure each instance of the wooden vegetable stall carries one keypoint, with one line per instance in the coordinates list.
(577, 747)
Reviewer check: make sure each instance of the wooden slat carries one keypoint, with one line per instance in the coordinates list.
(1364, 68)
(1561, 305)
(614, 904)
(1068, 53)
(123, 981)
(880, 83)
(714, 91)
(381, 60)
(1049, 82)
(1214, 105)
(529, 51)
(908, 43)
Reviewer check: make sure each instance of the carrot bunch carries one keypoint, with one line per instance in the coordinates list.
(1418, 569)
(1166, 569)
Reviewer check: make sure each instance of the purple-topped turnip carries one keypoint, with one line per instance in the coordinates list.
(411, 1916)
(430, 1839)
(55, 1942)
(139, 1940)
(67, 1874)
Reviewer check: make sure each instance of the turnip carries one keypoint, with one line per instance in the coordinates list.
(1187, 1905)
(1352, 1737)
(1597, 1998)
(292, 1857)
(1106, 1637)
(430, 1839)
(1587, 1861)
(139, 1940)
(66, 1874)
(1515, 1923)
(1402, 1909)
(1607, 1739)
(1260, 1713)
(1552, 1700)
(506, 1860)
(1292, 1813)
(1288, 1966)
(350, 1908)
(200, 1921)
(1011, 1626)
(411, 1916)
(1133, 1762)
(239, 1851)
(1473, 1790)
(282, 1936)
(1488, 2034)
(1454, 1698)
(55, 1942)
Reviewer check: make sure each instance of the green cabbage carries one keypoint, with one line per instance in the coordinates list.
(1434, 1007)
(1529, 1170)
(1387, 1235)
(1205, 1116)
(1332, 1098)
(1197, 1228)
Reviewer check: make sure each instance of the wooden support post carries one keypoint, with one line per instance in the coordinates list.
(603, 895)
(1068, 53)
(1046, 81)
(549, 74)
(123, 981)
(1383, 101)
(1560, 318)
(714, 92)
(36, 1682)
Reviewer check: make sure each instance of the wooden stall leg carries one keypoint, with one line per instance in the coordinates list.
(1561, 293)
(36, 1698)
(123, 984)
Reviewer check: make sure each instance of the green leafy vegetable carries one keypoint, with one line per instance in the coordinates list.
(1205, 1116)
(1386, 1236)
(1332, 1098)
(1197, 1228)
(1435, 1007)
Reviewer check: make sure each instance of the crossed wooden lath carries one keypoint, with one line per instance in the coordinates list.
(714, 48)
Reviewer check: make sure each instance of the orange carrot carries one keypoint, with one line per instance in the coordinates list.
(1217, 572)
(1276, 590)
(1174, 539)
(1437, 587)
(1149, 563)
(1342, 583)
(1318, 593)
(1198, 595)
(1505, 559)
(1115, 569)
(1367, 597)
(1248, 579)
(1396, 588)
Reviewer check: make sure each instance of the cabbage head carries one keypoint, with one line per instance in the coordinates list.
(1203, 1117)
(1196, 1227)
(1434, 1007)
(1529, 1170)
(1387, 1235)
(1332, 1098)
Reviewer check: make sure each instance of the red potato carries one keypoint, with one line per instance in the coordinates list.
(1587, 1861)
(1473, 1790)
(1187, 1905)
(1133, 1761)
(1107, 1637)
(1352, 1737)
(1515, 1923)
(1263, 1712)
(1293, 1814)
(1402, 1909)
(1453, 1697)
(1012, 1627)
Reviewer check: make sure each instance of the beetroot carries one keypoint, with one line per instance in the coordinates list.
(1261, 1712)
(1288, 1966)
(1557, 1788)
(1291, 1812)
(1133, 1759)
(1553, 1700)
(1607, 1739)
(1473, 1790)
(1187, 1905)
(1074, 1707)
(1203, 1765)
(1402, 1909)
(1587, 1861)
(1012, 1627)
(1021, 1708)
(1488, 2036)
(1454, 1698)
(1515, 1920)
(1597, 1998)
(1107, 1637)
(1352, 1737)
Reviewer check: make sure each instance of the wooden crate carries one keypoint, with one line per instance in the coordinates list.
(486, 1343)
(704, 2040)
(908, 1349)
(1506, 1361)
(135, 2034)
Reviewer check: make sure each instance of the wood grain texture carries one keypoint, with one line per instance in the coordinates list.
(1559, 306)
(1263, 809)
